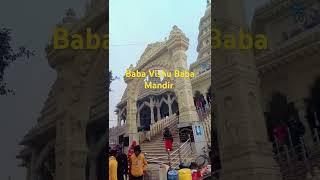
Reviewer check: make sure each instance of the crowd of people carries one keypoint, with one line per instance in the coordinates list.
(288, 134)
(203, 105)
(132, 166)
(127, 167)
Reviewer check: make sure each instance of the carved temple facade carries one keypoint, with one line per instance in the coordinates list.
(257, 90)
(290, 67)
(189, 98)
(69, 140)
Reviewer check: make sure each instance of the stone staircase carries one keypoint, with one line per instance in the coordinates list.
(155, 150)
(295, 164)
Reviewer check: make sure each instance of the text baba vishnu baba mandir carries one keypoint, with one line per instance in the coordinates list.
(159, 74)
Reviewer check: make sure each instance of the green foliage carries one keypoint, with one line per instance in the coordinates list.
(8, 56)
(110, 78)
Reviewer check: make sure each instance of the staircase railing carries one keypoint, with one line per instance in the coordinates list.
(181, 154)
(176, 157)
(297, 161)
(205, 117)
(158, 127)
(114, 131)
(204, 112)
(293, 161)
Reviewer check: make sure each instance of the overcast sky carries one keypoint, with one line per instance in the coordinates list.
(32, 21)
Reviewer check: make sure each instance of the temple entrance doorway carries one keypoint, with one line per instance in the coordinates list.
(155, 114)
(175, 107)
(164, 110)
(145, 117)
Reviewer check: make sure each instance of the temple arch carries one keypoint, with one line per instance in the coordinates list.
(167, 56)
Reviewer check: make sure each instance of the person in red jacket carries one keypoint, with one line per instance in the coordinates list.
(168, 139)
(131, 148)
(280, 133)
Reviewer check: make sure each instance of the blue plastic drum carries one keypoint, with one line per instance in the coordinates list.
(173, 175)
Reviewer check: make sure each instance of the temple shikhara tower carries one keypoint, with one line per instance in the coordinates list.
(69, 140)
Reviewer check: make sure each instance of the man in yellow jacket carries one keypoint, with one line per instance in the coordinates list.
(138, 164)
(113, 165)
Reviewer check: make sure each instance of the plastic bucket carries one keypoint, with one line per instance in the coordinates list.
(185, 174)
(173, 175)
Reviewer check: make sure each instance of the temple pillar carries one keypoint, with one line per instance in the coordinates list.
(138, 118)
(170, 109)
(131, 119)
(188, 119)
(151, 110)
(73, 114)
(169, 105)
(178, 44)
(70, 150)
(152, 115)
(132, 108)
(245, 152)
(158, 112)
(204, 93)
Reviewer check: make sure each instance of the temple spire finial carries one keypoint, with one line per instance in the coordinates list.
(208, 3)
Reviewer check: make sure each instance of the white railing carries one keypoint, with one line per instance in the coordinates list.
(158, 127)
(115, 131)
(176, 157)
(181, 154)
(207, 127)
(299, 160)
(205, 117)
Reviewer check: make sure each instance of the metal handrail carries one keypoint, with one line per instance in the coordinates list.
(158, 126)
(162, 157)
(294, 157)
(182, 150)
(178, 161)
(181, 146)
